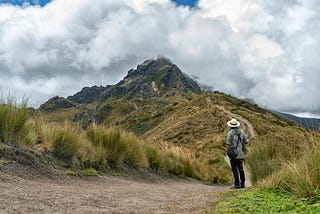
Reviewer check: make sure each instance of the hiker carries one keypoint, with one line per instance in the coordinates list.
(235, 142)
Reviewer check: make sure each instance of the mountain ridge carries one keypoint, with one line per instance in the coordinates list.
(152, 78)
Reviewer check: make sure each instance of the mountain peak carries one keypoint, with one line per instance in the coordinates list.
(150, 65)
(153, 78)
(56, 103)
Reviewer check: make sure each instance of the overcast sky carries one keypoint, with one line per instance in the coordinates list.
(267, 50)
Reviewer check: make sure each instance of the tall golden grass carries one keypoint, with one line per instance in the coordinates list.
(13, 118)
(268, 157)
(301, 175)
(177, 160)
(98, 147)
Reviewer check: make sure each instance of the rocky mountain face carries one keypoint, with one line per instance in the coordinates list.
(56, 103)
(153, 78)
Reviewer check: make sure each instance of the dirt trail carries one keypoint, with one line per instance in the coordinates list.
(244, 122)
(247, 125)
(105, 194)
(249, 129)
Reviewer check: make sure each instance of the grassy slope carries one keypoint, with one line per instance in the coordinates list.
(193, 124)
(200, 127)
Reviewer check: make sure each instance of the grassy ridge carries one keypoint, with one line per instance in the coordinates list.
(200, 127)
(98, 147)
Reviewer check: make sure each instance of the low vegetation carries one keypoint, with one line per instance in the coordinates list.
(184, 138)
(12, 122)
(98, 147)
(257, 200)
(300, 176)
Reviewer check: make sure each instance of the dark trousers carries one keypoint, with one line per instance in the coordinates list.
(237, 169)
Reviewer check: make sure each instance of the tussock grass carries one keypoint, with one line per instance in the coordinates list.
(300, 176)
(28, 134)
(115, 147)
(13, 118)
(65, 142)
(180, 161)
(103, 148)
(268, 157)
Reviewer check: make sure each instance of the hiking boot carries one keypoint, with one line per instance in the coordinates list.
(235, 187)
(242, 186)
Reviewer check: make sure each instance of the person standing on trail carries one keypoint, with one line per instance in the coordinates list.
(236, 150)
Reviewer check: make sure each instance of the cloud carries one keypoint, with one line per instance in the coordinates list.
(265, 50)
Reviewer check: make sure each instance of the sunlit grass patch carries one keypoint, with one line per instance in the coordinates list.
(255, 200)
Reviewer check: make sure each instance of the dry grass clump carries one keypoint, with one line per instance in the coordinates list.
(115, 147)
(180, 161)
(13, 118)
(267, 157)
(300, 176)
(65, 142)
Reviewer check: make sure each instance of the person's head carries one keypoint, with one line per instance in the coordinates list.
(233, 123)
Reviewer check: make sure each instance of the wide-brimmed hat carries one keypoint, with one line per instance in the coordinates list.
(233, 123)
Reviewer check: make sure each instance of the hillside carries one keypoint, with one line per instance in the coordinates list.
(163, 106)
(308, 123)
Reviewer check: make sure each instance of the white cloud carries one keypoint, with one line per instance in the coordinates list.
(265, 50)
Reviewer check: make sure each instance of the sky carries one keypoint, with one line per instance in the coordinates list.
(267, 51)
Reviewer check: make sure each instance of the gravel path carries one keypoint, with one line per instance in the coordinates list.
(106, 194)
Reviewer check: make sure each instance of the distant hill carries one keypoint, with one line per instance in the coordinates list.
(153, 78)
(309, 123)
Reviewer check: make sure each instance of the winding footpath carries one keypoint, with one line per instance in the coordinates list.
(246, 125)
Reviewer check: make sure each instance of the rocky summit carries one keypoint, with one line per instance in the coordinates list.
(153, 78)
(56, 103)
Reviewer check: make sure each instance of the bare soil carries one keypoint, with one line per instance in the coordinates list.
(104, 194)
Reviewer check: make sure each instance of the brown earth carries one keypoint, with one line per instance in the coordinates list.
(104, 194)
